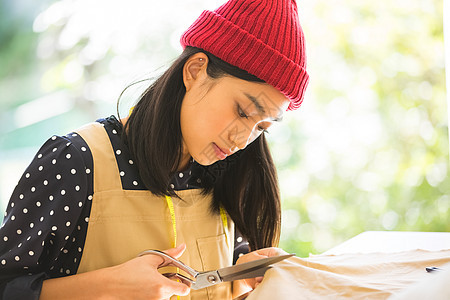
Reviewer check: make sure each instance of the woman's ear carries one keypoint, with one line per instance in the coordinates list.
(194, 69)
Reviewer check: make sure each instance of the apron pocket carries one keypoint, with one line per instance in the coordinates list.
(214, 254)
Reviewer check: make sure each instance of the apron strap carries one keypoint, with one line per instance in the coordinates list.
(106, 173)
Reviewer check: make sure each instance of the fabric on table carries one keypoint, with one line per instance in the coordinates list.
(348, 276)
(434, 287)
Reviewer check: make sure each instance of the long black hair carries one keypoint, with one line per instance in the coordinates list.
(245, 183)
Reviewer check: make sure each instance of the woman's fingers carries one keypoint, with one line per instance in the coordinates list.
(176, 252)
(258, 254)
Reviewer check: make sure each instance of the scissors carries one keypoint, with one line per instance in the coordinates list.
(202, 280)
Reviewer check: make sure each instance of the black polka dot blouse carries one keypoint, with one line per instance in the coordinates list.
(45, 224)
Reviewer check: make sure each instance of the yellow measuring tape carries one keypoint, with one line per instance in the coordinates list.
(223, 216)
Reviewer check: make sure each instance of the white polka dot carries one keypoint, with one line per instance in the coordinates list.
(38, 204)
(54, 149)
(54, 137)
(67, 237)
(50, 198)
(45, 182)
(66, 208)
(58, 176)
(118, 152)
(13, 218)
(114, 131)
(86, 219)
(73, 171)
(17, 258)
(19, 231)
(74, 134)
(90, 197)
(20, 245)
(31, 253)
(79, 249)
(65, 251)
(73, 240)
(41, 168)
(239, 239)
(180, 175)
(199, 180)
(54, 161)
(33, 189)
(130, 162)
(3, 262)
(31, 225)
(43, 243)
(135, 182)
(172, 186)
(51, 212)
(21, 196)
(83, 149)
(28, 238)
(75, 260)
(12, 204)
(39, 232)
(41, 219)
(54, 228)
(40, 155)
(68, 156)
(88, 171)
(25, 210)
(67, 224)
(80, 204)
(122, 173)
(27, 175)
(68, 144)
(67, 271)
(240, 254)
(5, 238)
(77, 188)
(63, 192)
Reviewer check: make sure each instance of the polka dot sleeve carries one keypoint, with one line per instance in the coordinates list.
(43, 217)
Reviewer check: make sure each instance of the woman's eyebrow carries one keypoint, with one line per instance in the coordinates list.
(260, 108)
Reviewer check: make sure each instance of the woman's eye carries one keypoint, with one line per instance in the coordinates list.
(242, 114)
(262, 129)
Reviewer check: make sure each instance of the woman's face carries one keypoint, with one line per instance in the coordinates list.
(221, 116)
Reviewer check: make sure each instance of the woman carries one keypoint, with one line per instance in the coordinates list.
(187, 166)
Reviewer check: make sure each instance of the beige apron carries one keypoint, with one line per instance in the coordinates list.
(123, 223)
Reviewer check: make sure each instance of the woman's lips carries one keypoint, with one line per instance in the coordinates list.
(219, 152)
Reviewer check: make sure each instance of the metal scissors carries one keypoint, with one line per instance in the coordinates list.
(200, 280)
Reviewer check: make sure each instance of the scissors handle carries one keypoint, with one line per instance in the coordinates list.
(170, 261)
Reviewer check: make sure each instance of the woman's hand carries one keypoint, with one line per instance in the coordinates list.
(252, 283)
(137, 279)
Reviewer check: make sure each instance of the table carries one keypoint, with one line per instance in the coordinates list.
(392, 241)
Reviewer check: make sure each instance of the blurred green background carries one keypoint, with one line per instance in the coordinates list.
(368, 150)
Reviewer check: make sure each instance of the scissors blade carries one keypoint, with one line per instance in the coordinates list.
(250, 269)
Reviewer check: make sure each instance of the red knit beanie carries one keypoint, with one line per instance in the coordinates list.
(262, 37)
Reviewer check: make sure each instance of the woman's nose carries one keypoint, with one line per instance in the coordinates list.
(239, 138)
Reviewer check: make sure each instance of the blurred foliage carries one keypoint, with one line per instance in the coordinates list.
(368, 150)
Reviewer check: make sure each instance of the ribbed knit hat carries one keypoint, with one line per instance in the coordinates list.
(262, 37)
